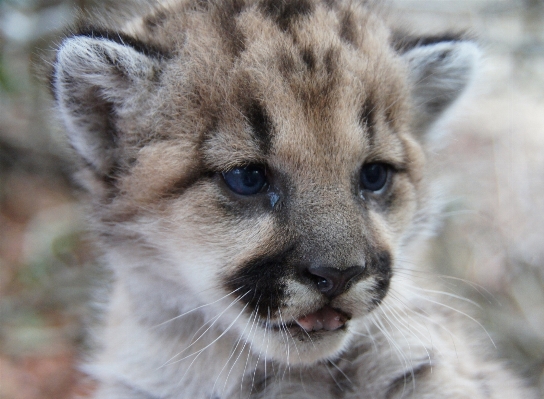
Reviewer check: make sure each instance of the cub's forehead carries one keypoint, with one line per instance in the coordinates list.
(273, 78)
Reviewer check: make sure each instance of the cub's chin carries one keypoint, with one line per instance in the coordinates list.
(311, 338)
(297, 349)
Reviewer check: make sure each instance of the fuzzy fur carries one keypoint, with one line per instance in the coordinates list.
(209, 285)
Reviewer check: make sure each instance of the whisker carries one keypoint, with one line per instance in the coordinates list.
(341, 371)
(197, 353)
(408, 328)
(283, 328)
(400, 354)
(201, 335)
(462, 313)
(461, 298)
(195, 309)
(249, 349)
(333, 378)
(233, 351)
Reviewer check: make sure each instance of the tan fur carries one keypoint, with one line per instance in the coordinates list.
(212, 287)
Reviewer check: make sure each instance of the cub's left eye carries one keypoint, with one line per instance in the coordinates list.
(374, 176)
(247, 180)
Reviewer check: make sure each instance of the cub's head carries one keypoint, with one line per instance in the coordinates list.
(259, 161)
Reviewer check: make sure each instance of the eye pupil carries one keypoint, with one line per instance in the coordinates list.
(247, 180)
(374, 176)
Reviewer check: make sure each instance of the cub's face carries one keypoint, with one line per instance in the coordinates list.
(263, 162)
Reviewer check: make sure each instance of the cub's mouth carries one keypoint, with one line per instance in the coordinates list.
(324, 319)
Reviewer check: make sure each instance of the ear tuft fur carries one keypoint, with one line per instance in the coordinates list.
(439, 72)
(94, 81)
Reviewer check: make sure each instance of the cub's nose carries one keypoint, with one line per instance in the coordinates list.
(332, 281)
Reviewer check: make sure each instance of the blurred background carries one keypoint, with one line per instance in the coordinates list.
(491, 240)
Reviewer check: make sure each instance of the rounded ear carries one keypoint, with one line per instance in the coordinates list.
(94, 80)
(439, 72)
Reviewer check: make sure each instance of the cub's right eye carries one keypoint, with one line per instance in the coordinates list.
(246, 180)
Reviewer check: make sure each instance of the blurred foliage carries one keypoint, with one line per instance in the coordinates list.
(491, 238)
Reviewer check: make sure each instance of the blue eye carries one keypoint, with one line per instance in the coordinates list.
(247, 180)
(374, 176)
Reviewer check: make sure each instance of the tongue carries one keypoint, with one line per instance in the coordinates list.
(325, 318)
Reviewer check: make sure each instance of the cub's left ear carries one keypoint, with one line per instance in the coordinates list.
(439, 72)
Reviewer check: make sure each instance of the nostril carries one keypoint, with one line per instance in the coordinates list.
(332, 281)
(324, 284)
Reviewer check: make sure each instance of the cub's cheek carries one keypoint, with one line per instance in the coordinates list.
(361, 299)
(207, 248)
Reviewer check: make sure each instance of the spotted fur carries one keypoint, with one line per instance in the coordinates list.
(212, 288)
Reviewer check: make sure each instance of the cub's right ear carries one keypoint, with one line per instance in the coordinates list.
(95, 81)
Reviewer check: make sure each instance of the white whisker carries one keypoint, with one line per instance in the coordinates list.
(195, 309)
(201, 335)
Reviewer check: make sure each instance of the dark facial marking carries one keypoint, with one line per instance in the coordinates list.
(261, 125)
(155, 20)
(330, 60)
(261, 280)
(348, 30)
(367, 118)
(286, 64)
(331, 4)
(380, 266)
(285, 12)
(234, 38)
(308, 58)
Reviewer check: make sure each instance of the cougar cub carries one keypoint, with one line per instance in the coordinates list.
(257, 181)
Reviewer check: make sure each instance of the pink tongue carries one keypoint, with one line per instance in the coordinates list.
(325, 318)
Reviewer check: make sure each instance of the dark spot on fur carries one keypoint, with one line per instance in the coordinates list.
(330, 4)
(402, 42)
(308, 58)
(285, 12)
(202, 5)
(155, 20)
(330, 60)
(261, 125)
(233, 8)
(233, 36)
(382, 263)
(318, 95)
(147, 49)
(380, 266)
(286, 63)
(260, 283)
(348, 29)
(389, 117)
(367, 118)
